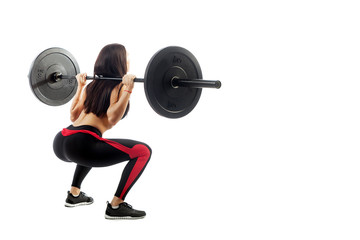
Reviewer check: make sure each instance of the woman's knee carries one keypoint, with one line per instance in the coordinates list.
(141, 150)
(149, 149)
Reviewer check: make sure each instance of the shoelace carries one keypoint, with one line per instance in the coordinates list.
(127, 205)
(84, 194)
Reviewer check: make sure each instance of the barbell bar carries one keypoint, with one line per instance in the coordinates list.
(175, 82)
(172, 82)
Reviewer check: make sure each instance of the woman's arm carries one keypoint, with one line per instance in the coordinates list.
(118, 103)
(78, 102)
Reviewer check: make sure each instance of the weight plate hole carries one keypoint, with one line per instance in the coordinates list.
(172, 82)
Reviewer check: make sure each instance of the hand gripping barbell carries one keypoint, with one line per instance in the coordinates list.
(172, 82)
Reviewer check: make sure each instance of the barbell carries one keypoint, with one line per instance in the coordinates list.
(172, 81)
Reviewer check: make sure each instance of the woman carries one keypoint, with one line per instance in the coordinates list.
(96, 108)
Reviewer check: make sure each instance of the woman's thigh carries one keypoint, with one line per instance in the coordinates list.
(90, 152)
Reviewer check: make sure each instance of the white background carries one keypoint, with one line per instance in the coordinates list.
(273, 154)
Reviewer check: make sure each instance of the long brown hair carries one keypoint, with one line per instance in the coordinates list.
(111, 62)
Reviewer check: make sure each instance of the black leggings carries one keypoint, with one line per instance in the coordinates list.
(85, 146)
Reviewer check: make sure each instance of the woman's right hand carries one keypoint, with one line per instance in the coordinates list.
(81, 79)
(128, 81)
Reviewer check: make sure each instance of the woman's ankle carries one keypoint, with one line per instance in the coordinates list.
(116, 201)
(75, 191)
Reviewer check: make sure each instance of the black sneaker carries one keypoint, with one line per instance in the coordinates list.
(124, 211)
(82, 199)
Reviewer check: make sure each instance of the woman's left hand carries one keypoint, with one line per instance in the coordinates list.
(81, 79)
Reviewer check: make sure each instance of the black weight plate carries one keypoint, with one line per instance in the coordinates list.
(166, 64)
(48, 91)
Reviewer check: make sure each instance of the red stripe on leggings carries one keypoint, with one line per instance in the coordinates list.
(143, 155)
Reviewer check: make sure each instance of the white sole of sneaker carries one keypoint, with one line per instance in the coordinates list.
(78, 204)
(122, 218)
